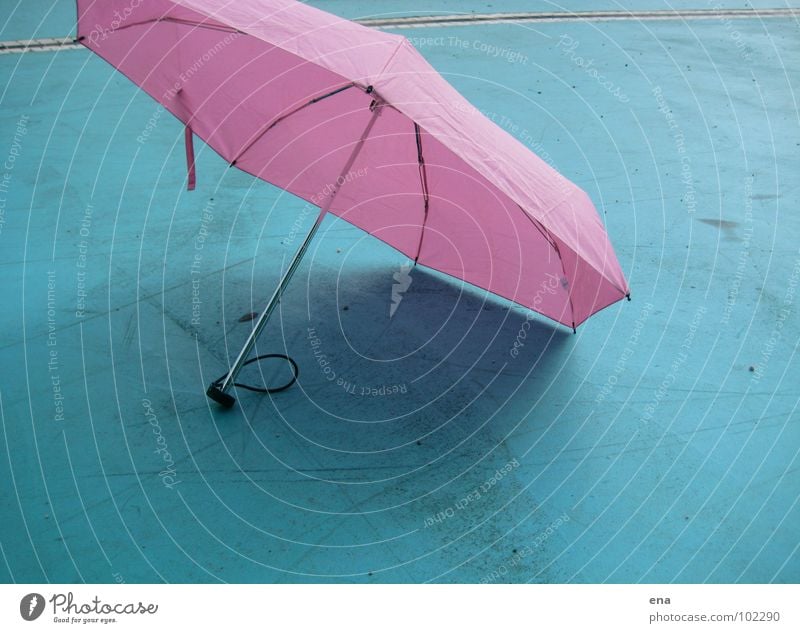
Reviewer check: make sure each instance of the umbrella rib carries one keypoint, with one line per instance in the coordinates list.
(569, 289)
(213, 27)
(275, 122)
(554, 245)
(423, 177)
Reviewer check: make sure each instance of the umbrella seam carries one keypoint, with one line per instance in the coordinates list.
(391, 57)
(554, 245)
(549, 210)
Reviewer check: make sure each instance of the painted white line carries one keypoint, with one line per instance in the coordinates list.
(39, 45)
(576, 16)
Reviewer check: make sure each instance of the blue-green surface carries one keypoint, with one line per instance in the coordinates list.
(659, 444)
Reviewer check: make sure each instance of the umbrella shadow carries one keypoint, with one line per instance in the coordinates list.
(388, 366)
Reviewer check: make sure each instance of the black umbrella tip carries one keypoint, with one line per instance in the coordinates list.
(220, 397)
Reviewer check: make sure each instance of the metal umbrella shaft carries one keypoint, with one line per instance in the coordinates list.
(218, 391)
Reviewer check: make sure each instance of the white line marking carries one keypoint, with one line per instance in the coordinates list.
(42, 44)
(576, 16)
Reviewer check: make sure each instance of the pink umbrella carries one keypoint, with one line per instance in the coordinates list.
(355, 121)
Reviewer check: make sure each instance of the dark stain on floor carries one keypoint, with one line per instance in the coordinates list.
(728, 227)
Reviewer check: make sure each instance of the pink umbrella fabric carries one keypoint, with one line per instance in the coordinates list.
(357, 122)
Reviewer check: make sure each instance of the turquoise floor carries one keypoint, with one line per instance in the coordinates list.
(659, 444)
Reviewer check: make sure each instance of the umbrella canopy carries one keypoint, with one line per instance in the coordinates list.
(357, 122)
